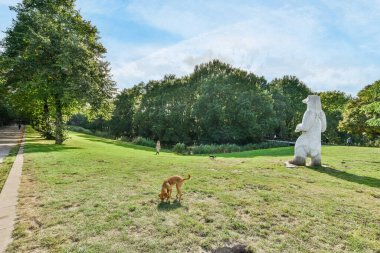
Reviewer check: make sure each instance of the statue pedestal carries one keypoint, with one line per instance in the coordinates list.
(289, 165)
(292, 166)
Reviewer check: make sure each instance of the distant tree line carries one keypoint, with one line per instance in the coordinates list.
(220, 104)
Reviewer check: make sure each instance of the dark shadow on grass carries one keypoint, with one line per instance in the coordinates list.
(38, 140)
(45, 148)
(4, 139)
(167, 206)
(235, 249)
(369, 181)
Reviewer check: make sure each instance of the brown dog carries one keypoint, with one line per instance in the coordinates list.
(167, 185)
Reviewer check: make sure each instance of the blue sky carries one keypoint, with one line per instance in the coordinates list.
(330, 45)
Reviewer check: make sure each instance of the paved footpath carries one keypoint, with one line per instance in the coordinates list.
(9, 136)
(8, 196)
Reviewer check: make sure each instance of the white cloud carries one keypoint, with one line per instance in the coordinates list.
(269, 42)
(327, 44)
(345, 78)
(191, 18)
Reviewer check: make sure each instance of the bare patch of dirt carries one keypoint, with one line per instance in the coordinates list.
(235, 249)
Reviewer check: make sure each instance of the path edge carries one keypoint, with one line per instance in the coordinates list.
(9, 197)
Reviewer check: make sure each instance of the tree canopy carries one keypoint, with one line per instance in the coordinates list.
(288, 93)
(216, 103)
(362, 114)
(53, 63)
(333, 103)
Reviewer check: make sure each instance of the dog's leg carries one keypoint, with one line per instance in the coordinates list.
(179, 193)
(178, 190)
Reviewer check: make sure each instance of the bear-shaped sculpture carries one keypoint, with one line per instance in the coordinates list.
(313, 124)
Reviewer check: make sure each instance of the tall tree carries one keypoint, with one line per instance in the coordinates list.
(55, 55)
(215, 104)
(362, 114)
(333, 104)
(288, 93)
(126, 105)
(164, 111)
(231, 105)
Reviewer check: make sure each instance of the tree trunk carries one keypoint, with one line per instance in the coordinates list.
(48, 133)
(58, 121)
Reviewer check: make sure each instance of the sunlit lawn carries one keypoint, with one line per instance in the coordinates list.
(97, 195)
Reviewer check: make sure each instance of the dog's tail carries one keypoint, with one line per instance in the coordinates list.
(187, 178)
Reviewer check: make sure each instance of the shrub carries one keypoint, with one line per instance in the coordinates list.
(80, 129)
(263, 145)
(180, 148)
(212, 149)
(373, 143)
(88, 131)
(143, 142)
(103, 134)
(124, 138)
(229, 148)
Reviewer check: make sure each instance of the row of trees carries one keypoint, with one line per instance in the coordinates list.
(52, 64)
(221, 104)
(215, 104)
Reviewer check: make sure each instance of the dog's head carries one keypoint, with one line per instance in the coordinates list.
(163, 195)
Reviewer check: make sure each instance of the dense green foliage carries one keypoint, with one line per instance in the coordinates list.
(333, 105)
(80, 129)
(215, 104)
(225, 148)
(362, 114)
(288, 94)
(219, 104)
(53, 63)
(143, 142)
(180, 148)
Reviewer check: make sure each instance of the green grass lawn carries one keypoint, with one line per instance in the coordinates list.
(6, 165)
(98, 195)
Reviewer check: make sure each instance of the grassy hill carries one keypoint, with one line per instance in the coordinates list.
(98, 195)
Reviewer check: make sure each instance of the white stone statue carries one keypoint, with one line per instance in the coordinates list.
(313, 124)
